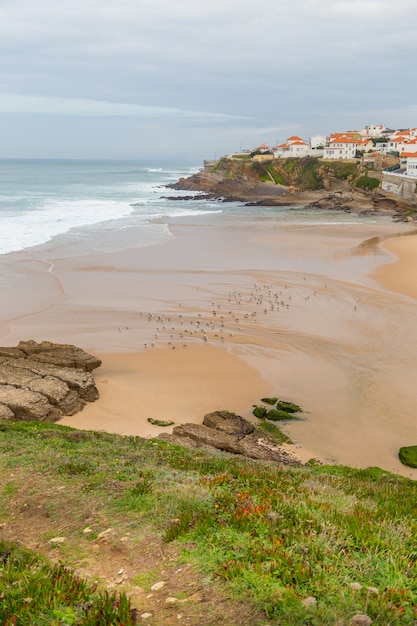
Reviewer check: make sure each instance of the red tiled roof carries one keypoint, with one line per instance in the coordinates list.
(342, 140)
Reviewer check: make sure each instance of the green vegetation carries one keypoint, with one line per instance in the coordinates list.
(306, 174)
(342, 170)
(367, 182)
(274, 174)
(408, 455)
(271, 401)
(283, 410)
(289, 407)
(35, 592)
(277, 415)
(304, 545)
(155, 422)
(308, 177)
(271, 432)
(259, 411)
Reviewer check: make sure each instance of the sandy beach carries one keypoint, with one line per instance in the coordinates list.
(224, 313)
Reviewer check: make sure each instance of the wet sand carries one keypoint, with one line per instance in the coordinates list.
(400, 275)
(224, 313)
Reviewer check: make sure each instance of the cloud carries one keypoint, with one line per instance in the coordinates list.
(234, 65)
(94, 108)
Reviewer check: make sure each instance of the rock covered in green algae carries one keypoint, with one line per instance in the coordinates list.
(289, 407)
(408, 455)
(269, 400)
(277, 414)
(259, 411)
(283, 410)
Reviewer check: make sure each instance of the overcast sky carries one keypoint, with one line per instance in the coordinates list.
(135, 78)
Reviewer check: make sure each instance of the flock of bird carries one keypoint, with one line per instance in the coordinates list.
(233, 314)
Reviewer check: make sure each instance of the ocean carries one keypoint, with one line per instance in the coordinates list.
(78, 206)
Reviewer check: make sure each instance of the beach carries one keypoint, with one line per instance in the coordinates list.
(226, 312)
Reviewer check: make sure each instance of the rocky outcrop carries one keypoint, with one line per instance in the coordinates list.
(45, 381)
(232, 181)
(236, 188)
(229, 423)
(228, 432)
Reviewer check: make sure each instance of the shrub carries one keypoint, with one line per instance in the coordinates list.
(367, 182)
(342, 171)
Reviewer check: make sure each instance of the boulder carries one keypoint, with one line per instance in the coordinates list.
(229, 423)
(28, 405)
(6, 413)
(212, 438)
(82, 382)
(62, 355)
(206, 436)
(408, 455)
(45, 381)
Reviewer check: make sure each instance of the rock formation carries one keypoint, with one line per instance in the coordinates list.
(226, 431)
(45, 381)
(235, 181)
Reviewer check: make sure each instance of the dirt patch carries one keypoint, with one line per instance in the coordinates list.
(162, 585)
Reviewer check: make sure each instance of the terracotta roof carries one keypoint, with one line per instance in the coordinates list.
(409, 155)
(343, 140)
(294, 138)
(347, 133)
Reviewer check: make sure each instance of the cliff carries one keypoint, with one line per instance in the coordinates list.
(307, 182)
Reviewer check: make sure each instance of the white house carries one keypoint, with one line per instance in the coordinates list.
(381, 147)
(294, 147)
(412, 165)
(397, 143)
(373, 131)
(341, 147)
(318, 141)
(366, 145)
(410, 147)
(263, 148)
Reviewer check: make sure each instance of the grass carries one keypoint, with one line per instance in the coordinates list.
(273, 434)
(312, 545)
(37, 593)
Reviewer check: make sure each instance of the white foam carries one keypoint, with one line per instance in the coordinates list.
(39, 225)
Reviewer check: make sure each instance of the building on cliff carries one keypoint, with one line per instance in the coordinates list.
(341, 147)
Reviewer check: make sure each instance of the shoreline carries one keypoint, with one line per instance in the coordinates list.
(309, 341)
(399, 275)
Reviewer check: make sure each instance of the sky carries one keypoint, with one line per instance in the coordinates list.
(126, 79)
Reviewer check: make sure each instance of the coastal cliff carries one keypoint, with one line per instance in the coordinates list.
(307, 182)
